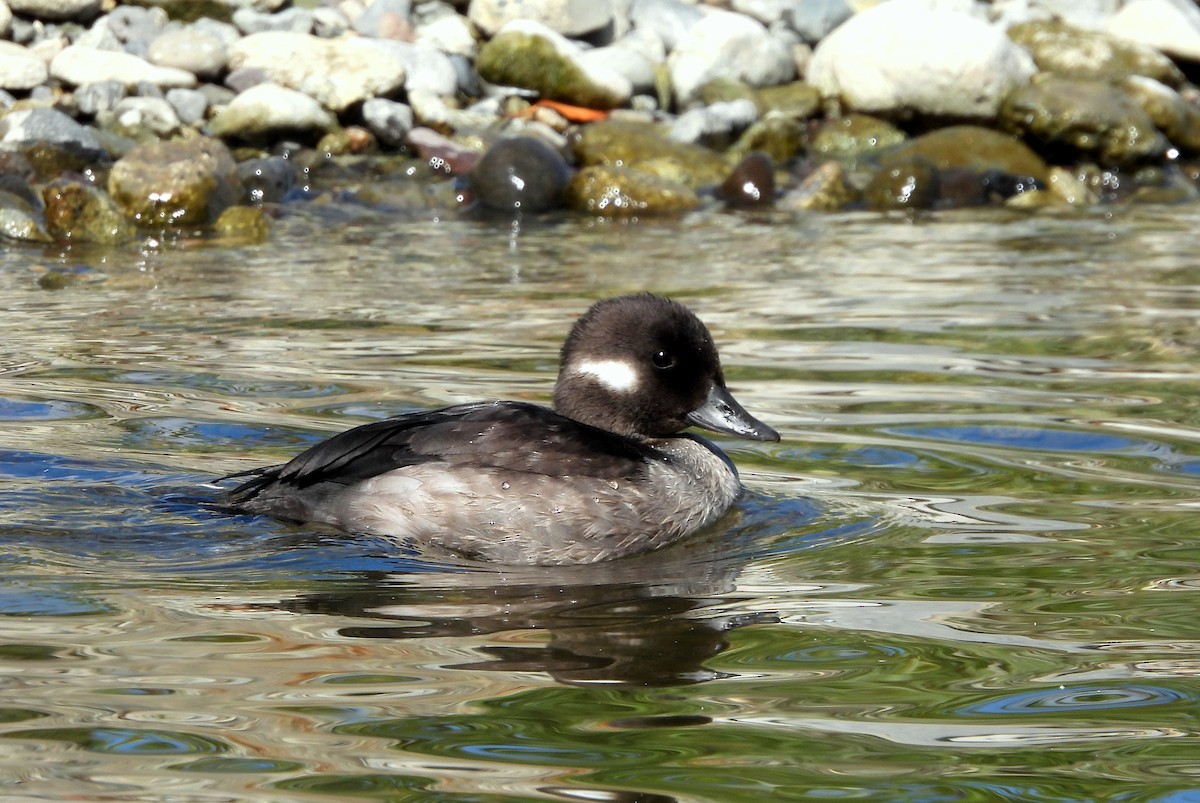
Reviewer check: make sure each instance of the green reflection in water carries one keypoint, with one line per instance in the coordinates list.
(125, 741)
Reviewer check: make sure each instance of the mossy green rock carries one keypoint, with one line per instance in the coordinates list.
(532, 61)
(779, 136)
(1057, 47)
(911, 184)
(1093, 118)
(644, 148)
(83, 213)
(971, 147)
(852, 136)
(825, 189)
(613, 191)
(796, 99)
(724, 90)
(242, 224)
(179, 183)
(1174, 116)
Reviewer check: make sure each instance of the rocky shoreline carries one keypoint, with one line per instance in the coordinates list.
(187, 117)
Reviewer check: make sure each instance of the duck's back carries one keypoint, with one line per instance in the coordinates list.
(503, 481)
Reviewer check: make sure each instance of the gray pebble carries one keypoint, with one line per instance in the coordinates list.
(388, 120)
(147, 114)
(99, 96)
(295, 20)
(200, 53)
(386, 19)
(266, 180)
(189, 104)
(243, 78)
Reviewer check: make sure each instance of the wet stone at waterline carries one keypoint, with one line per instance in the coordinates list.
(520, 174)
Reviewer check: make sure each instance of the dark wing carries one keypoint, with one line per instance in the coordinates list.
(514, 436)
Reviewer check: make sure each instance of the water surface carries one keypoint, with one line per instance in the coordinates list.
(968, 572)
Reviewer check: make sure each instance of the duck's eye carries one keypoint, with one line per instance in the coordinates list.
(663, 360)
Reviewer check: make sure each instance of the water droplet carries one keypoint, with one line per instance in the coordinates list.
(504, 485)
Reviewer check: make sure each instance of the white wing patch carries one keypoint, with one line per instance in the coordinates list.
(616, 375)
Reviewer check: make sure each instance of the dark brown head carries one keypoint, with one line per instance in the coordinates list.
(644, 366)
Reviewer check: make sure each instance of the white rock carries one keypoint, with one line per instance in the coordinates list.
(5, 19)
(77, 66)
(901, 56)
(716, 119)
(187, 49)
(335, 72)
(450, 34)
(269, 108)
(153, 114)
(426, 68)
(568, 17)
(1092, 15)
(629, 57)
(727, 45)
(20, 69)
(1172, 26)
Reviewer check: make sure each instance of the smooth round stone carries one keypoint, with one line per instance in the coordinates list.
(670, 20)
(628, 58)
(973, 148)
(727, 45)
(177, 183)
(385, 19)
(81, 212)
(520, 174)
(450, 34)
(750, 183)
(20, 69)
(643, 147)
(426, 69)
(389, 120)
(267, 179)
(336, 73)
(139, 115)
(295, 20)
(199, 53)
(813, 20)
(265, 110)
(1061, 48)
(852, 136)
(901, 56)
(909, 185)
(77, 66)
(715, 122)
(133, 23)
(571, 18)
(189, 104)
(1172, 26)
(614, 191)
(45, 125)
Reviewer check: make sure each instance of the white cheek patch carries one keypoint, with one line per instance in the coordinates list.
(616, 375)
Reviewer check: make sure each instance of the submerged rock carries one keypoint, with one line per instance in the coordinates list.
(83, 213)
(180, 183)
(641, 147)
(908, 184)
(612, 191)
(520, 174)
(750, 183)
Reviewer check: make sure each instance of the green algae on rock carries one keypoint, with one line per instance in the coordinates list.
(911, 183)
(825, 189)
(179, 183)
(644, 148)
(80, 212)
(971, 147)
(612, 191)
(1058, 47)
(852, 136)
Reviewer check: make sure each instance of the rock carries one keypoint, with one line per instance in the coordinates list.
(5, 20)
(385, 19)
(293, 20)
(194, 51)
(912, 184)
(427, 69)
(1060, 48)
(240, 80)
(972, 148)
(612, 191)
(642, 148)
(20, 69)
(813, 20)
(99, 96)
(1170, 113)
(1070, 189)
(329, 23)
(750, 183)
(443, 154)
(179, 183)
(669, 20)
(269, 110)
(521, 174)
(852, 136)
(727, 45)
(136, 117)
(826, 189)
(83, 65)
(779, 136)
(899, 55)
(266, 180)
(714, 124)
(797, 99)
(450, 34)
(1172, 26)
(572, 18)
(531, 56)
(82, 213)
(190, 105)
(20, 219)
(242, 225)
(78, 10)
(43, 126)
(1092, 118)
(388, 120)
(130, 23)
(628, 58)
(336, 73)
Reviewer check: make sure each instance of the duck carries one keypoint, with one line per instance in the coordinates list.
(609, 470)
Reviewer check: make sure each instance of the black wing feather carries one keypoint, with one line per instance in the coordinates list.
(515, 436)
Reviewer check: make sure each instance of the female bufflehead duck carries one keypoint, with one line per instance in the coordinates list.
(607, 472)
